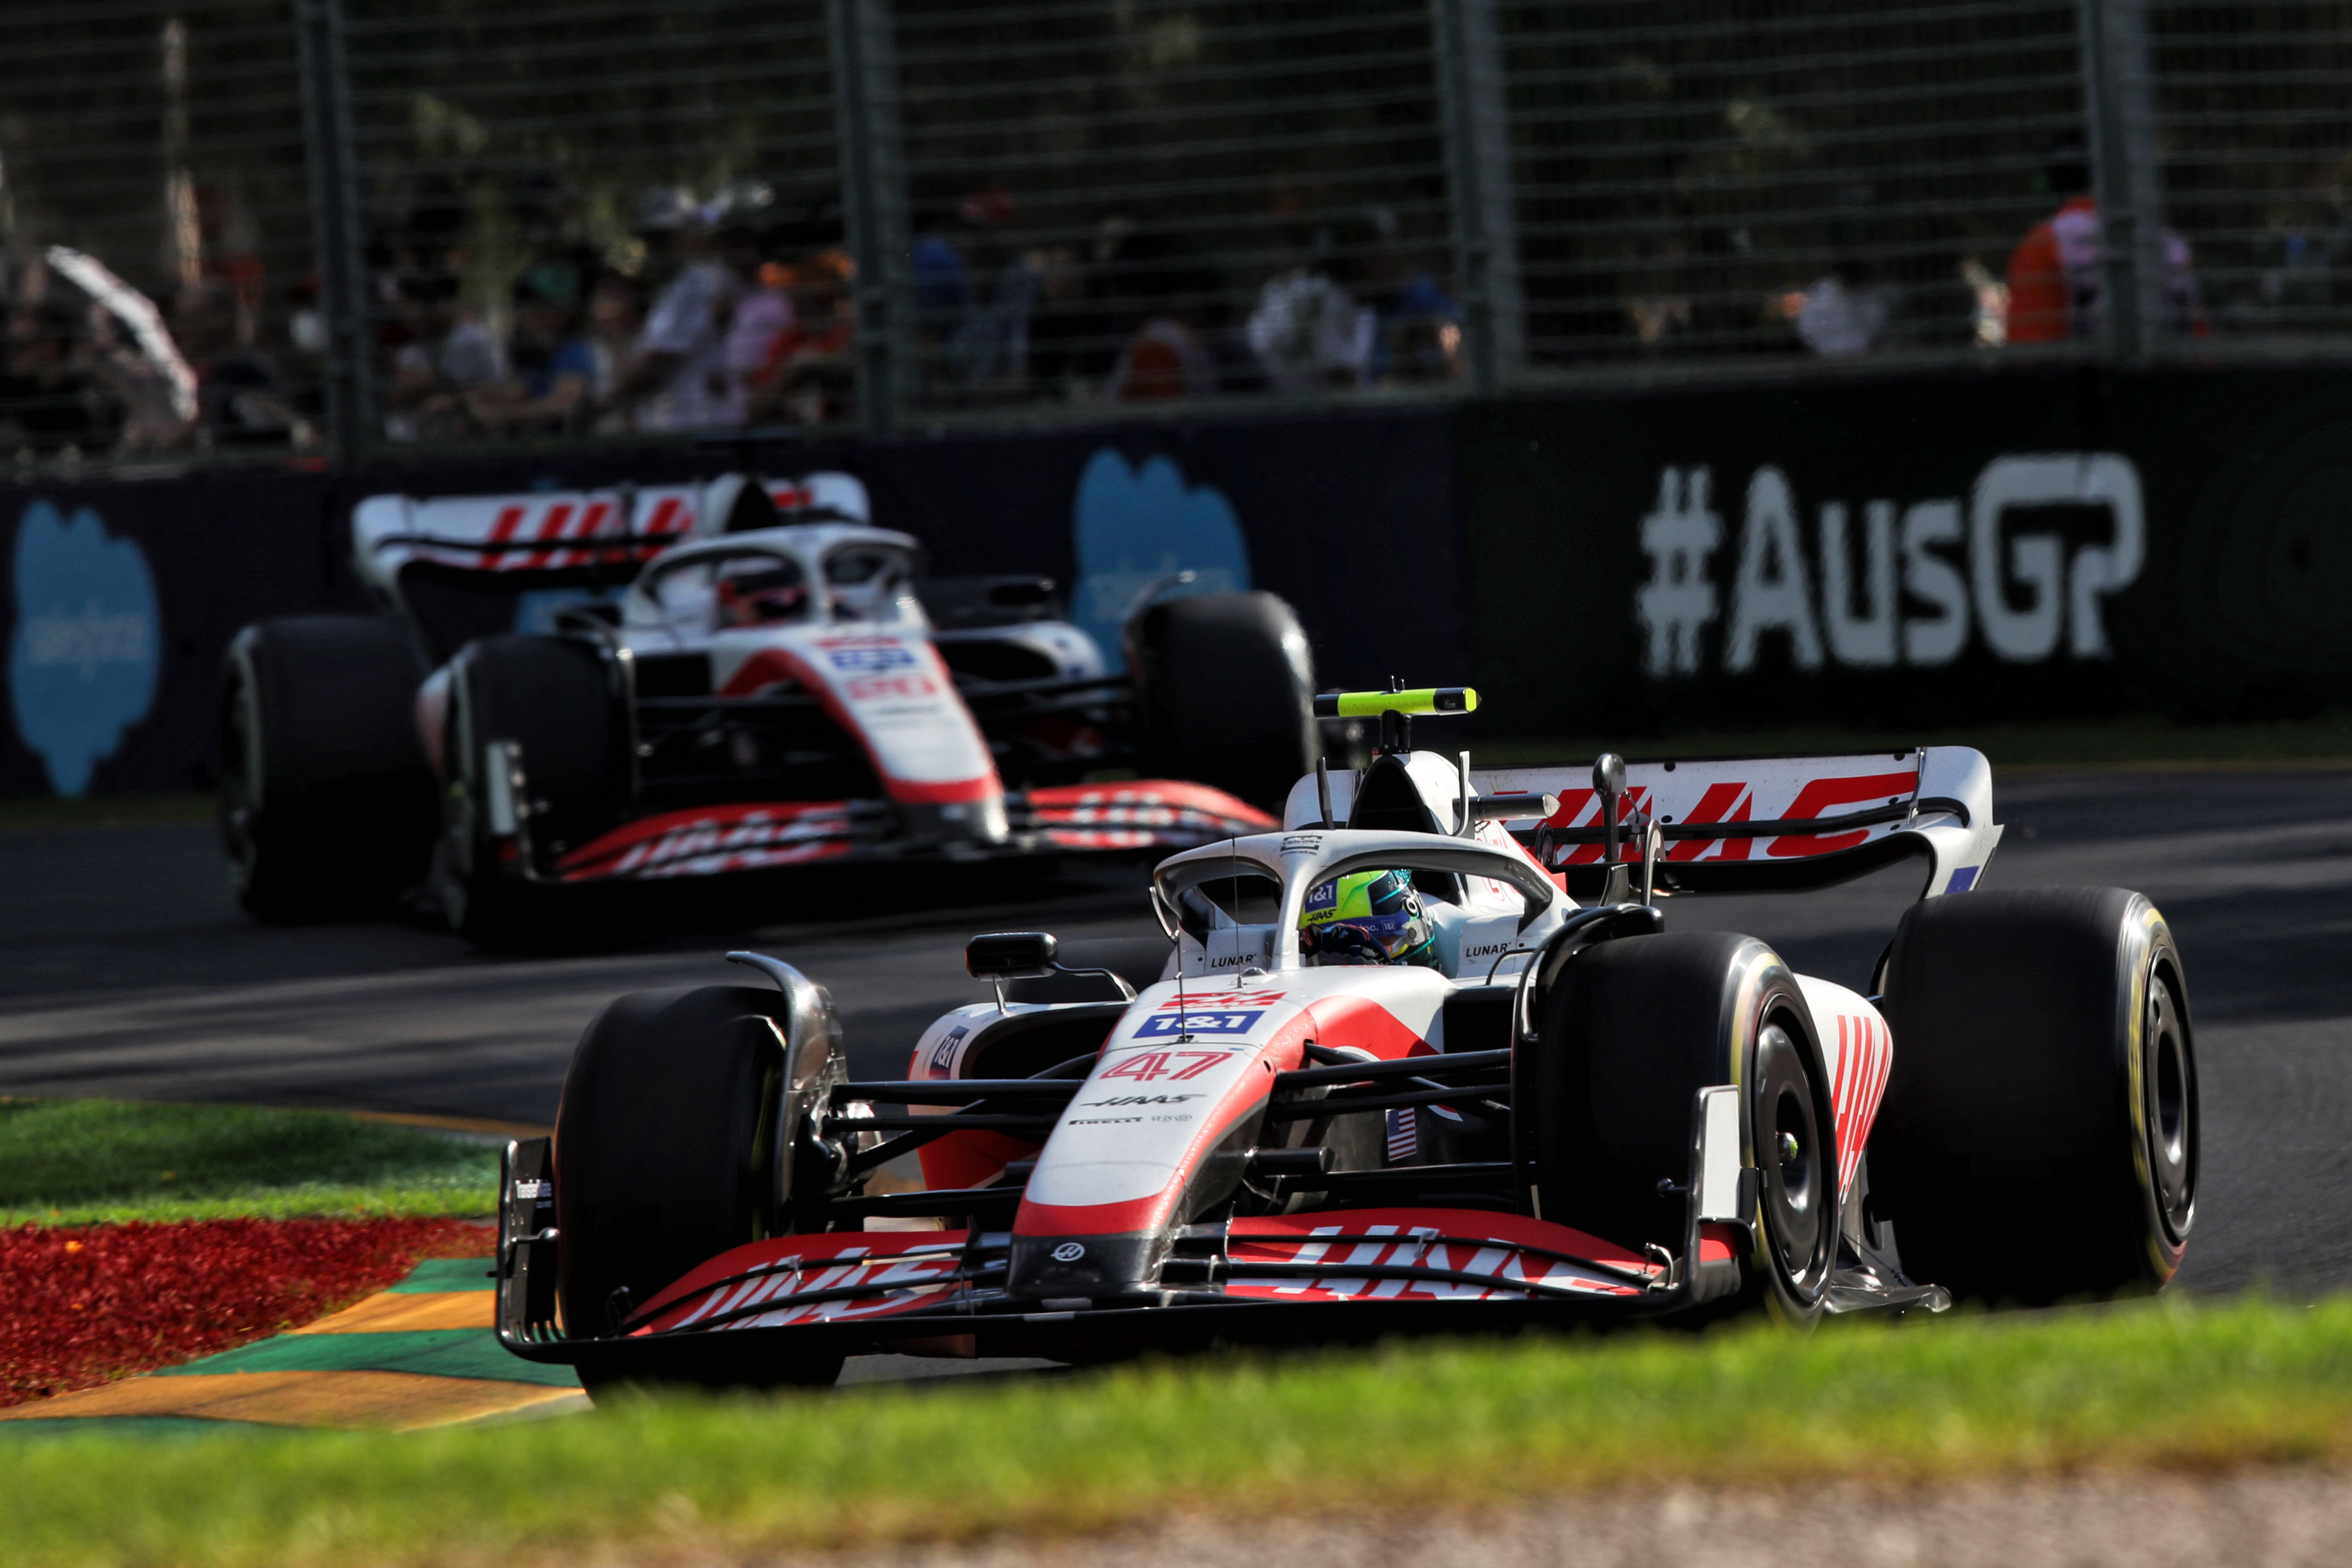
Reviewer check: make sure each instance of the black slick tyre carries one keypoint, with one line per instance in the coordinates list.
(549, 703)
(1227, 688)
(326, 800)
(2039, 1140)
(1628, 1033)
(673, 1143)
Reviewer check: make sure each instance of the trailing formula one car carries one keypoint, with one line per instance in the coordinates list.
(701, 686)
(1388, 1077)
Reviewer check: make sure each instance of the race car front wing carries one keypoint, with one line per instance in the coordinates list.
(705, 841)
(1331, 1275)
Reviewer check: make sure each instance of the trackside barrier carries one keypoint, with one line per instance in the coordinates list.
(1929, 549)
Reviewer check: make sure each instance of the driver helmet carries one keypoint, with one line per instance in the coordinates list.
(756, 590)
(864, 583)
(1367, 917)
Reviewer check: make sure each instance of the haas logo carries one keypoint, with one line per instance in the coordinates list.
(1069, 1252)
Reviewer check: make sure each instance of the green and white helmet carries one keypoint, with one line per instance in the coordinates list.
(1367, 917)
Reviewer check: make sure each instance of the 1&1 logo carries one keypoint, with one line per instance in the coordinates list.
(1222, 1022)
(871, 660)
(83, 663)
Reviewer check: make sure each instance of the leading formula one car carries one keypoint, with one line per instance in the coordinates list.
(697, 681)
(1388, 1076)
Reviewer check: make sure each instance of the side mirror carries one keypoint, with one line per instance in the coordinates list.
(1020, 593)
(1011, 955)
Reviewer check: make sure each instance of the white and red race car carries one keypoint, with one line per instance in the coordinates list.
(1557, 1114)
(624, 685)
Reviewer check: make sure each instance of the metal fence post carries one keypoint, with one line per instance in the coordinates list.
(874, 201)
(334, 214)
(2119, 95)
(1471, 89)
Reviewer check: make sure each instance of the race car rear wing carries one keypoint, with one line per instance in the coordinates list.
(1764, 824)
(541, 538)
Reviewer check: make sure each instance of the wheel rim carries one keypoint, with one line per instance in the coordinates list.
(2170, 1078)
(1791, 1155)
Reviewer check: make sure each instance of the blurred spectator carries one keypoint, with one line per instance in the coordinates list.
(616, 316)
(942, 279)
(808, 376)
(680, 379)
(2057, 284)
(551, 369)
(1844, 312)
(44, 402)
(1059, 349)
(447, 354)
(241, 400)
(1157, 288)
(1083, 316)
(990, 348)
(763, 311)
(1307, 330)
(1309, 334)
(1416, 325)
(305, 358)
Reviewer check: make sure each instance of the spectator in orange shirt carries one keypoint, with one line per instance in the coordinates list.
(2056, 281)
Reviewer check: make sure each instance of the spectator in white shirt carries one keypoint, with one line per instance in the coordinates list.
(680, 380)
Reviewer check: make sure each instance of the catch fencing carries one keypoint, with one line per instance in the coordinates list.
(361, 228)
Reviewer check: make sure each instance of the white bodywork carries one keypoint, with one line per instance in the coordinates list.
(1191, 1055)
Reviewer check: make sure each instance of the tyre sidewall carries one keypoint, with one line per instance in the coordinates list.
(1630, 1031)
(2016, 1148)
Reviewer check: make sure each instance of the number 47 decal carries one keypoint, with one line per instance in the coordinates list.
(1154, 1065)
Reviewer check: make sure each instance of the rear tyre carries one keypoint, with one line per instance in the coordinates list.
(551, 697)
(326, 800)
(674, 1142)
(2038, 1137)
(1628, 1033)
(1226, 684)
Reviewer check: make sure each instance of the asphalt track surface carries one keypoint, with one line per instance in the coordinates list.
(129, 971)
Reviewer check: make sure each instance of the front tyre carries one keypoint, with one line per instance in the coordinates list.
(674, 1142)
(1226, 686)
(326, 800)
(2039, 1139)
(1629, 1031)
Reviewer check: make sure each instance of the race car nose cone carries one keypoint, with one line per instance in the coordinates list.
(1080, 1265)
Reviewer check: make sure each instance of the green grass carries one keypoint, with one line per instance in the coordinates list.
(1449, 1426)
(89, 1162)
(2133, 740)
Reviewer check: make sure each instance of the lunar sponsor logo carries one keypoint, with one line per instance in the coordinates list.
(1486, 950)
(1238, 961)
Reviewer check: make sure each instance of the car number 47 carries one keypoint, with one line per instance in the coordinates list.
(1153, 1065)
